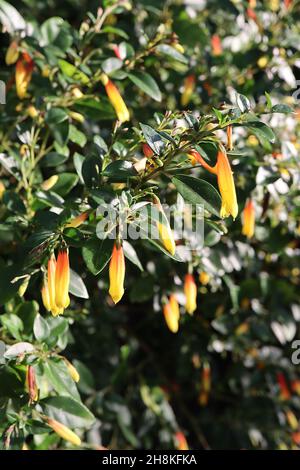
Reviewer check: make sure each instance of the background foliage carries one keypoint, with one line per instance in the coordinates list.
(139, 383)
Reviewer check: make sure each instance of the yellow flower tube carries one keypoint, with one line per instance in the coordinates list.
(190, 291)
(64, 432)
(24, 68)
(117, 273)
(249, 219)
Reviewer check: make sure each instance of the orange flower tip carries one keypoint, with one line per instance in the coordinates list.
(62, 280)
(147, 150)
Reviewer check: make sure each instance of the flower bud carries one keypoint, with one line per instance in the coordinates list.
(62, 280)
(49, 183)
(76, 116)
(31, 386)
(249, 219)
(77, 221)
(180, 441)
(64, 432)
(116, 99)
(72, 370)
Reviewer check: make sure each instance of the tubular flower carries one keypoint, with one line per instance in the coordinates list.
(225, 182)
(117, 273)
(249, 219)
(284, 390)
(229, 138)
(181, 442)
(23, 75)
(62, 280)
(64, 432)
(116, 99)
(12, 53)
(190, 291)
(171, 314)
(55, 310)
(204, 278)
(30, 384)
(164, 230)
(205, 384)
(78, 220)
(188, 89)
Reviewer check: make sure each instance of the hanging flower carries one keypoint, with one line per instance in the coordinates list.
(116, 99)
(204, 278)
(188, 89)
(292, 420)
(225, 182)
(72, 370)
(171, 313)
(64, 432)
(117, 273)
(23, 75)
(147, 150)
(62, 280)
(190, 291)
(55, 310)
(164, 230)
(249, 219)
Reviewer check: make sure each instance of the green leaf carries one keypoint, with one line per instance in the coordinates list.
(131, 254)
(58, 122)
(95, 109)
(86, 383)
(90, 170)
(53, 159)
(147, 84)
(8, 288)
(77, 286)
(73, 72)
(243, 103)
(97, 253)
(111, 65)
(59, 378)
(56, 32)
(18, 349)
(281, 108)
(11, 18)
(169, 51)
(269, 101)
(13, 324)
(153, 139)
(120, 170)
(68, 411)
(41, 328)
(65, 183)
(198, 191)
(77, 136)
(260, 130)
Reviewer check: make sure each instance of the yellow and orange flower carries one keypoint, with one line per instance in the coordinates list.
(30, 384)
(171, 313)
(249, 219)
(24, 69)
(292, 420)
(62, 280)
(295, 386)
(225, 181)
(117, 273)
(188, 89)
(77, 221)
(55, 290)
(64, 432)
(116, 99)
(180, 441)
(205, 384)
(190, 291)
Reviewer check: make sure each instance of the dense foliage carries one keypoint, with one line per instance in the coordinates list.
(143, 105)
